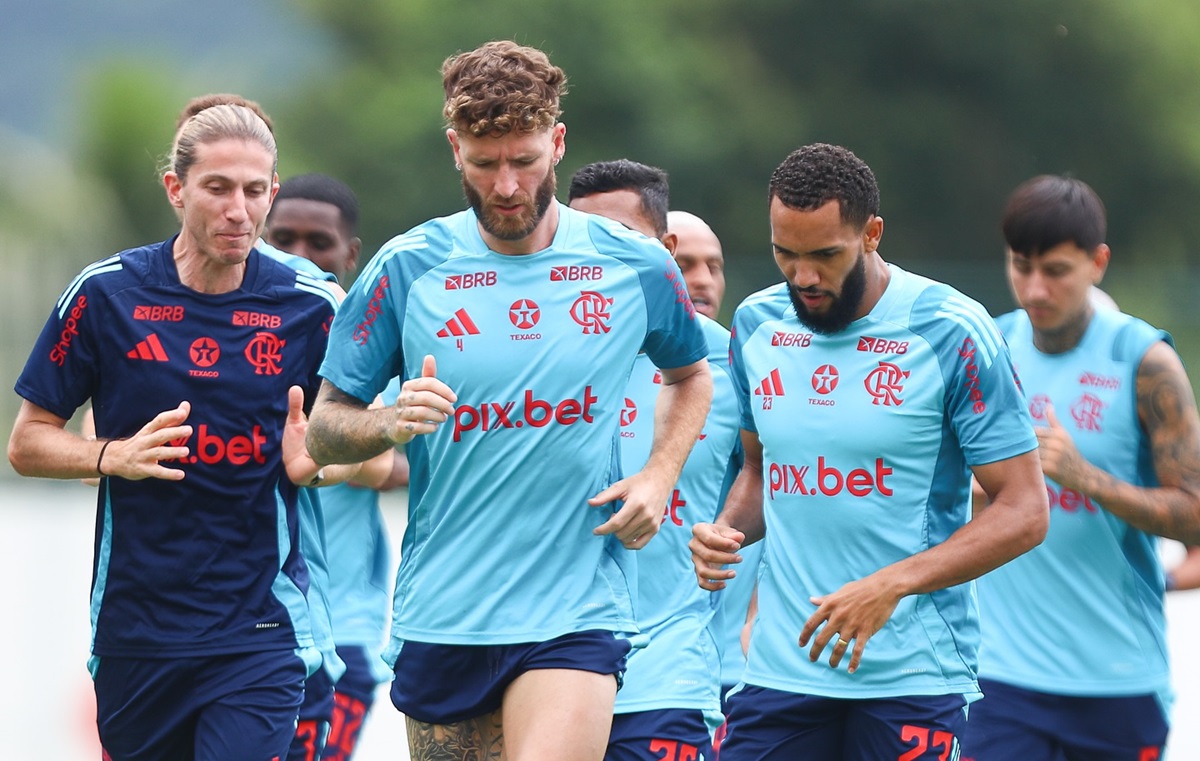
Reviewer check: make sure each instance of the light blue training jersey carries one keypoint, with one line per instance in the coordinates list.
(1082, 614)
(313, 536)
(732, 607)
(499, 546)
(360, 564)
(680, 667)
(867, 437)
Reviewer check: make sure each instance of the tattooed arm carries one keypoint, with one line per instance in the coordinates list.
(1167, 411)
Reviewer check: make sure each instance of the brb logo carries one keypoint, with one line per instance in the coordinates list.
(829, 480)
(470, 280)
(591, 310)
(885, 384)
(58, 354)
(362, 331)
(264, 352)
(257, 319)
(881, 345)
(799, 340)
(158, 313)
(211, 448)
(574, 273)
(534, 413)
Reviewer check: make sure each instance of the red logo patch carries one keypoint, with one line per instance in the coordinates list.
(158, 313)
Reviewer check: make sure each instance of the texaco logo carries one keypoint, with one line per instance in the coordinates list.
(204, 352)
(524, 314)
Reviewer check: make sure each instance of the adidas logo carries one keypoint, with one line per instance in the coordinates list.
(150, 348)
(460, 324)
(772, 385)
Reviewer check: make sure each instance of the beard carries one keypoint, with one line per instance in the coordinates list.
(515, 227)
(843, 306)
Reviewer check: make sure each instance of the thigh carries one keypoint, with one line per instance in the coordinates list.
(674, 734)
(772, 725)
(478, 739)
(564, 714)
(253, 715)
(913, 728)
(145, 709)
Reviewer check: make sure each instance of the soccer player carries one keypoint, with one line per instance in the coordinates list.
(515, 324)
(701, 260)
(868, 396)
(670, 700)
(1074, 656)
(197, 354)
(316, 217)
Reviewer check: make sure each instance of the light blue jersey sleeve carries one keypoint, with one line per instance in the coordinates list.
(365, 350)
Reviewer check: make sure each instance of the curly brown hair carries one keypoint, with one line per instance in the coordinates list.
(502, 87)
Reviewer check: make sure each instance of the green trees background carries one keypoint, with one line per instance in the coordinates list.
(952, 102)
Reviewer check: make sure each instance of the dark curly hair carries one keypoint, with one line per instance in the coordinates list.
(816, 174)
(502, 87)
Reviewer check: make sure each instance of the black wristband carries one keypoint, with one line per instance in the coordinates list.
(100, 459)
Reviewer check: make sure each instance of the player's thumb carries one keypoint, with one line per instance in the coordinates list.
(295, 404)
(1051, 418)
(429, 367)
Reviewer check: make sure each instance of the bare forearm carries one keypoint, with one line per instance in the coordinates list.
(43, 450)
(342, 429)
(743, 506)
(1166, 511)
(679, 415)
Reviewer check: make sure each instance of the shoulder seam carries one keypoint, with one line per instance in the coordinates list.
(111, 264)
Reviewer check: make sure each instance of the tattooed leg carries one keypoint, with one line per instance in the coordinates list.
(479, 739)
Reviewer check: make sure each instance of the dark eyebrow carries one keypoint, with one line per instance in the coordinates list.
(818, 252)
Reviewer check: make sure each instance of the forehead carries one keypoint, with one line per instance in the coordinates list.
(511, 144)
(305, 213)
(800, 231)
(1067, 252)
(696, 240)
(239, 160)
(625, 206)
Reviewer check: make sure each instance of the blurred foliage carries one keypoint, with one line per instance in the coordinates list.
(952, 103)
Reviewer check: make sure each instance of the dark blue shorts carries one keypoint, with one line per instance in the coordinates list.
(1012, 722)
(353, 697)
(238, 707)
(316, 712)
(678, 734)
(773, 725)
(446, 684)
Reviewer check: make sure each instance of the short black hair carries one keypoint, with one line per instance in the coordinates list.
(816, 174)
(649, 182)
(1048, 210)
(322, 187)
